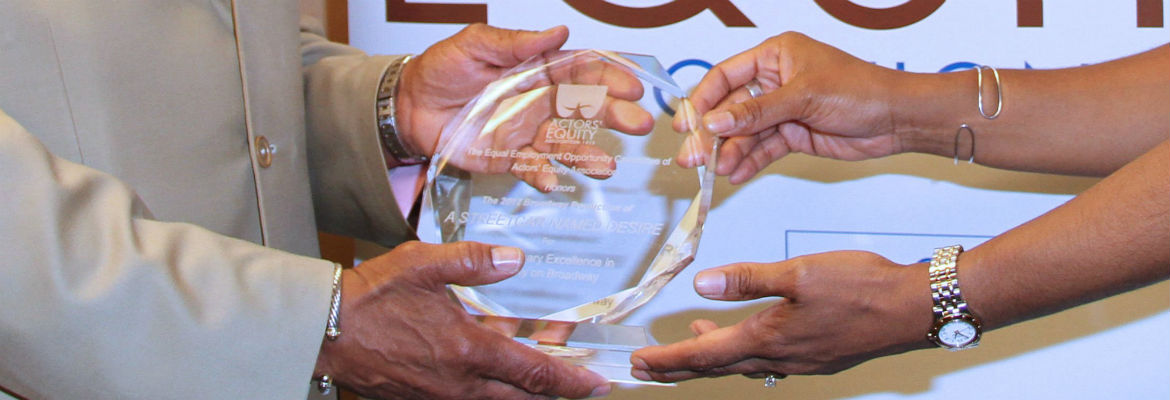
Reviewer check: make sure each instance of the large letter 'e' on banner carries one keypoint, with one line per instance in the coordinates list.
(880, 18)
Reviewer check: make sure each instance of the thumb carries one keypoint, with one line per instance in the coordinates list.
(463, 263)
(755, 115)
(509, 47)
(745, 281)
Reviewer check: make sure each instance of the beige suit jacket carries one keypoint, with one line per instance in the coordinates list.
(148, 249)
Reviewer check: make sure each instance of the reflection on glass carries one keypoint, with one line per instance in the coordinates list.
(562, 159)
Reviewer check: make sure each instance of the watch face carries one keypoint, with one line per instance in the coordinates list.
(957, 333)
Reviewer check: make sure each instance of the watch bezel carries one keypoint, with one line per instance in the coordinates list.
(933, 335)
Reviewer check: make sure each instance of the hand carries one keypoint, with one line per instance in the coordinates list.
(521, 131)
(441, 81)
(838, 309)
(448, 75)
(543, 332)
(817, 100)
(403, 337)
(444, 78)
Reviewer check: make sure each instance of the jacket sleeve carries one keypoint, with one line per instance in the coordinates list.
(97, 300)
(351, 191)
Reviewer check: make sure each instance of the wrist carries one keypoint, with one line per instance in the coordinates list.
(407, 94)
(396, 147)
(915, 306)
(928, 108)
(333, 338)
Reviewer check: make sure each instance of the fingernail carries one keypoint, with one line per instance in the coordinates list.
(710, 283)
(641, 375)
(507, 259)
(638, 363)
(719, 122)
(601, 390)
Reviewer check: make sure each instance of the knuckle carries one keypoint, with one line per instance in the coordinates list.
(702, 361)
(767, 334)
(750, 113)
(790, 36)
(800, 274)
(475, 29)
(539, 378)
(412, 247)
(412, 255)
(868, 258)
(740, 280)
(469, 256)
(459, 352)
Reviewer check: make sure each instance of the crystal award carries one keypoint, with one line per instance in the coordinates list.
(560, 157)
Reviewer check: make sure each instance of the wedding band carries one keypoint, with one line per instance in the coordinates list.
(770, 381)
(754, 89)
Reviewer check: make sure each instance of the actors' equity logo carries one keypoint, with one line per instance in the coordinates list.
(576, 105)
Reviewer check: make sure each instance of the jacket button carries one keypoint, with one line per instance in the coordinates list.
(264, 152)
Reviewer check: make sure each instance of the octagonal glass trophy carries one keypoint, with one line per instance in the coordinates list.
(562, 157)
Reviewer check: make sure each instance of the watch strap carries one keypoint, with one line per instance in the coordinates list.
(944, 282)
(392, 142)
(949, 305)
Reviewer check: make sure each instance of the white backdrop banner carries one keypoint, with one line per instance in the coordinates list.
(900, 207)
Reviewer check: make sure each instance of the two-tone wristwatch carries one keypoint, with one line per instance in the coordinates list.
(955, 327)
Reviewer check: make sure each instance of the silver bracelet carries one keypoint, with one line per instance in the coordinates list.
(958, 134)
(998, 91)
(332, 328)
(982, 111)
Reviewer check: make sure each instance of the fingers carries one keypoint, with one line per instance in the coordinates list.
(753, 367)
(745, 281)
(628, 117)
(755, 115)
(693, 152)
(748, 155)
(618, 81)
(762, 375)
(507, 47)
(701, 326)
(493, 389)
(461, 263)
(503, 325)
(555, 333)
(726, 77)
(712, 350)
(535, 372)
(534, 169)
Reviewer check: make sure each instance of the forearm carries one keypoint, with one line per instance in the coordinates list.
(148, 307)
(351, 194)
(1087, 120)
(1110, 239)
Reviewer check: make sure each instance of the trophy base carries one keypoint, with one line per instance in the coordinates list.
(601, 348)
